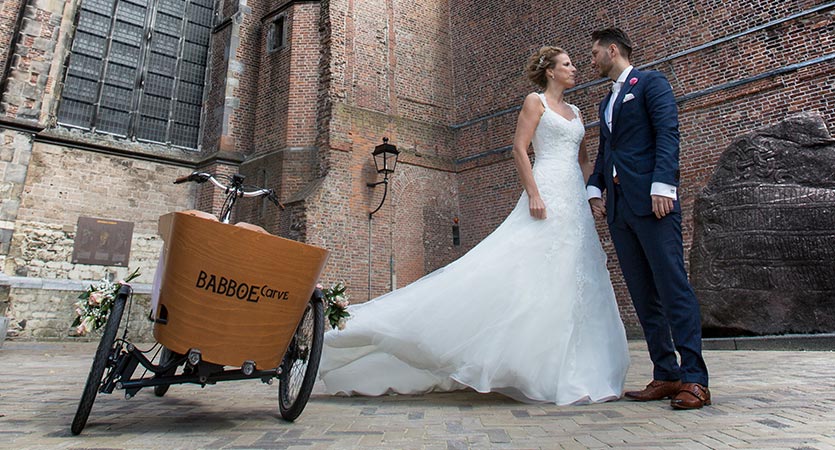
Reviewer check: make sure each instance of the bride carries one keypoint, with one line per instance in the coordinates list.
(529, 312)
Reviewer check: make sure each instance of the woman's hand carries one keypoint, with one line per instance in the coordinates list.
(537, 208)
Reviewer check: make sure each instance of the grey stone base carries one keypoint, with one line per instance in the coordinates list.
(790, 342)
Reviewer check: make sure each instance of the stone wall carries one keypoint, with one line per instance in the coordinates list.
(15, 152)
(45, 311)
(61, 185)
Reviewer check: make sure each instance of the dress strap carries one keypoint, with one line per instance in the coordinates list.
(542, 99)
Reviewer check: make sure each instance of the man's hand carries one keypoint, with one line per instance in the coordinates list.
(598, 208)
(661, 205)
(537, 208)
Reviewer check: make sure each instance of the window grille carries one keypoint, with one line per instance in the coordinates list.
(137, 69)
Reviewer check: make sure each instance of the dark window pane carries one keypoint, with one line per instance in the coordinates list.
(81, 89)
(151, 129)
(162, 64)
(124, 54)
(89, 45)
(192, 73)
(159, 85)
(165, 44)
(190, 93)
(93, 23)
(156, 107)
(76, 113)
(173, 7)
(119, 75)
(184, 135)
(139, 3)
(187, 114)
(113, 121)
(85, 66)
(195, 53)
(130, 13)
(128, 34)
(200, 15)
(115, 97)
(100, 6)
(169, 25)
(204, 3)
(197, 33)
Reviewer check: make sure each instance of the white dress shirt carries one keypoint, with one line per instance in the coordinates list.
(662, 189)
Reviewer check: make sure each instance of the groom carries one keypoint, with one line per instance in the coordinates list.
(637, 166)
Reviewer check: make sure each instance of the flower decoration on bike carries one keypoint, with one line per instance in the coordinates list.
(336, 304)
(94, 304)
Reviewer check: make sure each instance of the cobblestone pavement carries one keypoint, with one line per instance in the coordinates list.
(762, 399)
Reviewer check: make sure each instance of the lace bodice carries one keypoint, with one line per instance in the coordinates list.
(556, 136)
(556, 143)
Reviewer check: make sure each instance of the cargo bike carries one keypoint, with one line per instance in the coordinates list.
(234, 304)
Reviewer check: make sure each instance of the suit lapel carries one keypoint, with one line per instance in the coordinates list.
(619, 100)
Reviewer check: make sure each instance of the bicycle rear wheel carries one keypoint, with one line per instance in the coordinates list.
(104, 359)
(301, 362)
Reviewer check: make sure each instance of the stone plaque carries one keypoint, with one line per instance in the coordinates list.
(763, 255)
(102, 242)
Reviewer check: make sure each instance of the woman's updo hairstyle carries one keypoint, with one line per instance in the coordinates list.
(543, 59)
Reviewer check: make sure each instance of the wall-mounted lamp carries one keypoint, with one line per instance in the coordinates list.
(385, 159)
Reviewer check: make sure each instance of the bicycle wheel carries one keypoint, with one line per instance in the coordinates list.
(301, 362)
(101, 361)
(164, 357)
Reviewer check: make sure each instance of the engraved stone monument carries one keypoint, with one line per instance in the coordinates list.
(763, 254)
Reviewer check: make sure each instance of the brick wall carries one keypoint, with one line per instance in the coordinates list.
(389, 76)
(707, 122)
(30, 65)
(8, 22)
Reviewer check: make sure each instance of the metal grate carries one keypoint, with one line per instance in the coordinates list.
(132, 76)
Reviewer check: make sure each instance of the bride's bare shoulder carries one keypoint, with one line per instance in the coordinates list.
(533, 102)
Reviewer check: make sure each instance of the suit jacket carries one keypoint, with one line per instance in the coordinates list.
(643, 143)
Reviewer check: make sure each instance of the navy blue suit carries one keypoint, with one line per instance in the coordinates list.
(643, 145)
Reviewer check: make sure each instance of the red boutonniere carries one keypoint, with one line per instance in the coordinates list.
(633, 81)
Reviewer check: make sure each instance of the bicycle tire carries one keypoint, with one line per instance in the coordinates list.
(300, 365)
(165, 355)
(100, 362)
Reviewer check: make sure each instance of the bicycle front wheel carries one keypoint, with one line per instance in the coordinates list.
(105, 357)
(301, 362)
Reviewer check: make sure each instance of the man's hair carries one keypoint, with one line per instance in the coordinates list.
(608, 36)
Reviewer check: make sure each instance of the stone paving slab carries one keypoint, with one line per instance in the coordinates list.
(762, 400)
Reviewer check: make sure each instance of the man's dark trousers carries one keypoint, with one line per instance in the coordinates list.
(666, 304)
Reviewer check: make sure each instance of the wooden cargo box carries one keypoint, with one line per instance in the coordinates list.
(233, 293)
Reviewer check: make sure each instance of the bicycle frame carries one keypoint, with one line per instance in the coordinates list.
(126, 358)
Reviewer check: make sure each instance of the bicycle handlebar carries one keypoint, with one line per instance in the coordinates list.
(235, 186)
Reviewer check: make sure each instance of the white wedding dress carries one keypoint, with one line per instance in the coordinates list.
(529, 312)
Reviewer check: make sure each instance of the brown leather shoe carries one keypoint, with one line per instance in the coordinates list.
(691, 396)
(655, 390)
